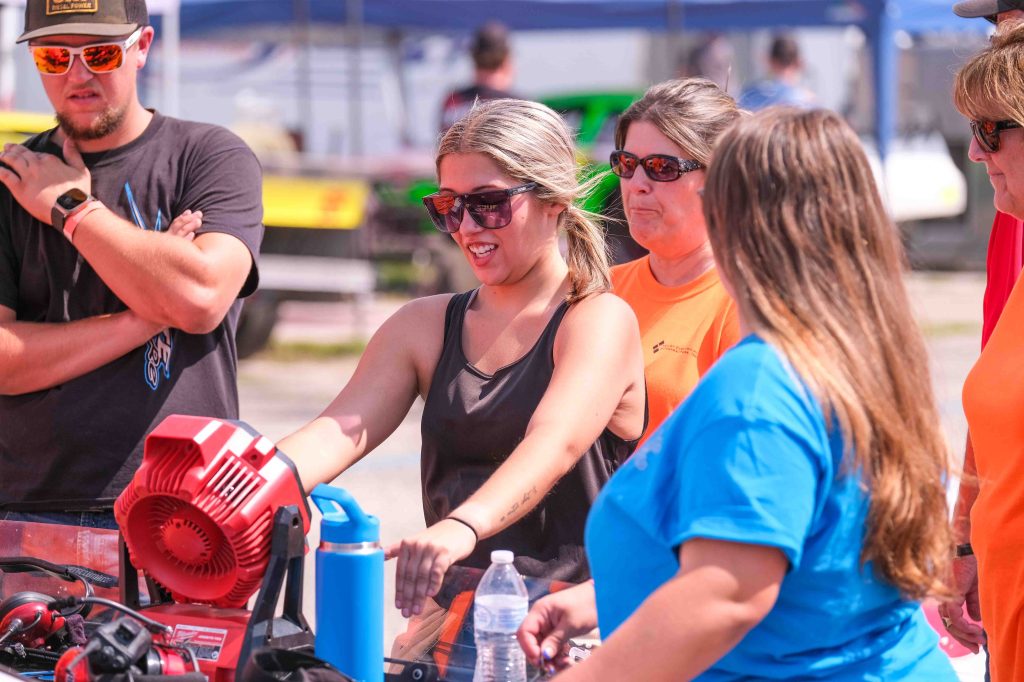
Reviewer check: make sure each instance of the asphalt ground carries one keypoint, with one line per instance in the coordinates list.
(278, 396)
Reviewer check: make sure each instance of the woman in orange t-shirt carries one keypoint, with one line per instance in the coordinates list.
(687, 320)
(990, 92)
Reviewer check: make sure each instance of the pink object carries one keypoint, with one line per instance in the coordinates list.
(947, 643)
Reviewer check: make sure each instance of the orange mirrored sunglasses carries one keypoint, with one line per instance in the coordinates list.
(55, 60)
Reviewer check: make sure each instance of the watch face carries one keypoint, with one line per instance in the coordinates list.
(71, 199)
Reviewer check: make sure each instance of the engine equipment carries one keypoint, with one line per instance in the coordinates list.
(125, 650)
(214, 513)
(30, 618)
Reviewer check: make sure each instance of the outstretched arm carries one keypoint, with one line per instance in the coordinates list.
(375, 400)
(597, 360)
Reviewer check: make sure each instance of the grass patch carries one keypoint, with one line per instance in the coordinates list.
(311, 350)
(946, 329)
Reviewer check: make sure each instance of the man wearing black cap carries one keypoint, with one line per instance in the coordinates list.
(1003, 267)
(109, 322)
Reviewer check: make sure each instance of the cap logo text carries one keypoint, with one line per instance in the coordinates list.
(71, 6)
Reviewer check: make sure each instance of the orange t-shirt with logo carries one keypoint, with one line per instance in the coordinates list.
(684, 330)
(994, 403)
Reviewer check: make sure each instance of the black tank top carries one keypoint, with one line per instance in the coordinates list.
(471, 424)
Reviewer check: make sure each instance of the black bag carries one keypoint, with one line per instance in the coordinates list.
(280, 665)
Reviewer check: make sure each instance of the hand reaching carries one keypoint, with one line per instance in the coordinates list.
(423, 559)
(553, 621)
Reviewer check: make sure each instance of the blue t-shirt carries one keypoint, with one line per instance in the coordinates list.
(748, 458)
(772, 92)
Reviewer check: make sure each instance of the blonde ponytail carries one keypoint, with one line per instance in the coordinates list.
(587, 255)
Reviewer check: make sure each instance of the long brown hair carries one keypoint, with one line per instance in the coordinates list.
(799, 230)
(531, 143)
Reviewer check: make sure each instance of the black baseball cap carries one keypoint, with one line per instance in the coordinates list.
(972, 9)
(104, 18)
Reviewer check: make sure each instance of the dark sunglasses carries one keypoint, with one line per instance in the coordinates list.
(987, 133)
(491, 208)
(659, 167)
(55, 60)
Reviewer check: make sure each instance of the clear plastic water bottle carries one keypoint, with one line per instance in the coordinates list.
(499, 608)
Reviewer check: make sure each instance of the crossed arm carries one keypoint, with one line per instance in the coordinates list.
(180, 283)
(169, 279)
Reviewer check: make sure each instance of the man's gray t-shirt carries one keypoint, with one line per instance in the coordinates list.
(76, 445)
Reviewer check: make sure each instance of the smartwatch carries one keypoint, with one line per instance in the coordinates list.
(70, 208)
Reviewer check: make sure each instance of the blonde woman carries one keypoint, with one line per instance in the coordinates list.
(784, 521)
(533, 382)
(687, 319)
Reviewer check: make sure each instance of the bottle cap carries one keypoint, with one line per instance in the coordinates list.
(502, 556)
(344, 521)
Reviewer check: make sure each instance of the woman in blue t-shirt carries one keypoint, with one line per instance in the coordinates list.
(785, 519)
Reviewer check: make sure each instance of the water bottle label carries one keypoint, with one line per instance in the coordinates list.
(504, 616)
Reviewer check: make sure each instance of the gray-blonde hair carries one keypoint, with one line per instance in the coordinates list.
(990, 86)
(531, 143)
(692, 112)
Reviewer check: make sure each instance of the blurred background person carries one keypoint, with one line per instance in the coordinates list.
(805, 475)
(493, 73)
(989, 91)
(783, 84)
(711, 58)
(687, 319)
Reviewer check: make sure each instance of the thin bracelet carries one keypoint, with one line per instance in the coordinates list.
(476, 536)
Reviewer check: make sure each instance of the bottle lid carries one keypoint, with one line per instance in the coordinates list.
(502, 556)
(344, 521)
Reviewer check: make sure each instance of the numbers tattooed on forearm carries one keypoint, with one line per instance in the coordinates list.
(516, 505)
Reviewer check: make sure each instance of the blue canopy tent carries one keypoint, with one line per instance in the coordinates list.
(879, 19)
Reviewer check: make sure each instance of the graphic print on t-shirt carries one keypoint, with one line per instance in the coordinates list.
(159, 348)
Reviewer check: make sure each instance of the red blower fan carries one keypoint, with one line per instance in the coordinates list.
(214, 513)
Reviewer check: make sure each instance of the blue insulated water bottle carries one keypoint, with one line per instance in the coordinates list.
(349, 587)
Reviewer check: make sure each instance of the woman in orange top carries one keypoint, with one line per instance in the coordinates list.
(990, 92)
(687, 320)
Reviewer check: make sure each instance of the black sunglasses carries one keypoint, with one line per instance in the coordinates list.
(987, 133)
(491, 208)
(659, 167)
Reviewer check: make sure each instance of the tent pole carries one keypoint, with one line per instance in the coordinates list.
(10, 25)
(886, 73)
(674, 27)
(355, 102)
(303, 70)
(171, 75)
